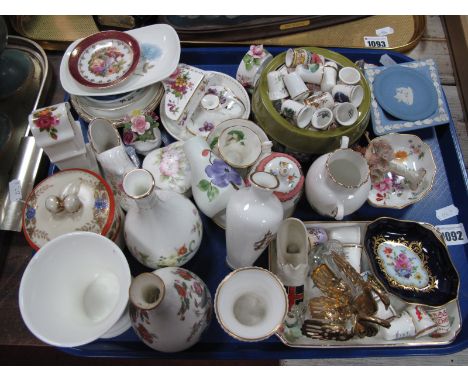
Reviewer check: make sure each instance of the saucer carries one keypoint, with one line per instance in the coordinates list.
(405, 93)
(393, 192)
(104, 59)
(160, 53)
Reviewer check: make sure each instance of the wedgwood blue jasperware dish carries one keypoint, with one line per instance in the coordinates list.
(411, 261)
(405, 93)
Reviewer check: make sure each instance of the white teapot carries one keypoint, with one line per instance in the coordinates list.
(338, 183)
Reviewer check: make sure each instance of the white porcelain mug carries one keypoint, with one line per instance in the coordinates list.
(297, 113)
(296, 87)
(276, 88)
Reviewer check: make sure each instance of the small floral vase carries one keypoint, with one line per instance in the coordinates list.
(213, 180)
(169, 308)
(253, 216)
(141, 131)
(164, 229)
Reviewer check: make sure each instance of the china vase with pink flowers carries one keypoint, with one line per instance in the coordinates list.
(141, 131)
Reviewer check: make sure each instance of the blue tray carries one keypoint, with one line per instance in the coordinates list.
(450, 187)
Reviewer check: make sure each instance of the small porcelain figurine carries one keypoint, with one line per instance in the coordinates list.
(169, 308)
(214, 182)
(165, 228)
(253, 216)
(338, 183)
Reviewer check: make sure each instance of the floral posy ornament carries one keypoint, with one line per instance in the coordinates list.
(47, 120)
(254, 56)
(220, 175)
(141, 131)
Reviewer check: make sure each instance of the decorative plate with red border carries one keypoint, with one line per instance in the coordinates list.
(289, 173)
(96, 213)
(104, 59)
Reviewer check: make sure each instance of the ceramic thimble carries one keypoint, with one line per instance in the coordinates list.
(348, 93)
(322, 118)
(296, 112)
(296, 87)
(345, 113)
(276, 88)
(320, 99)
(312, 73)
(330, 73)
(349, 75)
(441, 318)
(422, 321)
(400, 327)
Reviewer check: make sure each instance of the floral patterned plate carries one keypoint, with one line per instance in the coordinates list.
(104, 59)
(96, 214)
(411, 261)
(170, 168)
(159, 56)
(394, 191)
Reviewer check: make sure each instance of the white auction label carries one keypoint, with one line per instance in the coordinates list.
(447, 212)
(454, 234)
(15, 190)
(376, 42)
(384, 31)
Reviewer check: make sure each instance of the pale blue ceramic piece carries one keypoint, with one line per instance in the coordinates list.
(405, 93)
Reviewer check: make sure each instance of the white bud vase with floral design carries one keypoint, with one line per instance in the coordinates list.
(169, 308)
(141, 131)
(213, 180)
(253, 216)
(164, 229)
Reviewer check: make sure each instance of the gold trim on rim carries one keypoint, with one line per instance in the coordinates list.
(148, 192)
(339, 183)
(226, 279)
(229, 162)
(264, 187)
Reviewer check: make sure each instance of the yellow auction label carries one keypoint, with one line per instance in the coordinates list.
(296, 24)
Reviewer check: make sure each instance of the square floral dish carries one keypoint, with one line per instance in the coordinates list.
(383, 123)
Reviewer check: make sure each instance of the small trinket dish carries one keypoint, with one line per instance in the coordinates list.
(410, 173)
(411, 261)
(104, 59)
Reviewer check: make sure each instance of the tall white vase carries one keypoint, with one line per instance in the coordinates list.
(165, 228)
(213, 181)
(253, 216)
(111, 155)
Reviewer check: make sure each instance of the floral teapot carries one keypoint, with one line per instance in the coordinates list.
(338, 183)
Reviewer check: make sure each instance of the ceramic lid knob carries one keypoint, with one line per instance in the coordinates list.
(72, 203)
(54, 204)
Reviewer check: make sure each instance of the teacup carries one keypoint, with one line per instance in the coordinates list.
(350, 234)
(297, 113)
(330, 72)
(400, 327)
(422, 321)
(251, 66)
(312, 73)
(348, 93)
(251, 304)
(349, 75)
(276, 87)
(240, 147)
(345, 113)
(322, 118)
(296, 87)
(320, 99)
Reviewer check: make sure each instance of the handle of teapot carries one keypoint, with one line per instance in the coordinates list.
(344, 143)
(339, 211)
(266, 146)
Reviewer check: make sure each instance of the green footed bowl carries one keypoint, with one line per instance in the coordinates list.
(303, 140)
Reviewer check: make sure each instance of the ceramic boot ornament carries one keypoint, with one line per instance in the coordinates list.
(165, 228)
(111, 155)
(169, 308)
(292, 245)
(214, 182)
(253, 216)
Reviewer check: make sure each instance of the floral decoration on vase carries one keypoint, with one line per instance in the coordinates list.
(221, 175)
(47, 121)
